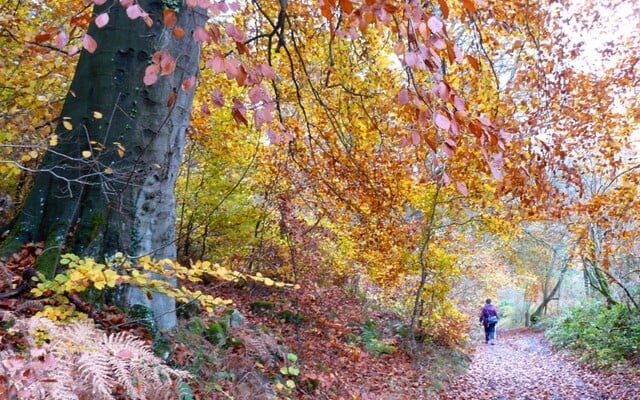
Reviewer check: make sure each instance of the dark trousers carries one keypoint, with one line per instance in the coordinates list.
(489, 332)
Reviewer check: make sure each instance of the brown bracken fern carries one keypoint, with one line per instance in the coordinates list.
(77, 361)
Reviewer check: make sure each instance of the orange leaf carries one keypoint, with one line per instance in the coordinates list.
(178, 32)
(172, 99)
(170, 18)
(188, 83)
(469, 5)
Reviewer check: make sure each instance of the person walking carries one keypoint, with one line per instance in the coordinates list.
(489, 318)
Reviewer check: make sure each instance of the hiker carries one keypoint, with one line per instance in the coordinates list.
(489, 318)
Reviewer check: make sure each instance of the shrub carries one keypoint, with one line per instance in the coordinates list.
(604, 335)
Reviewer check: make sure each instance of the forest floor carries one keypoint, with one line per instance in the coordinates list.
(337, 359)
(521, 366)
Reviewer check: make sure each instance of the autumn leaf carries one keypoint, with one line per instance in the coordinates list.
(102, 20)
(89, 43)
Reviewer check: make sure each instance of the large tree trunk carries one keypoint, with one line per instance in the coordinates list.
(120, 196)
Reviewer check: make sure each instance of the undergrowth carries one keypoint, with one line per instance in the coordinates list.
(596, 333)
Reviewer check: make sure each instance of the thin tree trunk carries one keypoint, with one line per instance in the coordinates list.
(110, 179)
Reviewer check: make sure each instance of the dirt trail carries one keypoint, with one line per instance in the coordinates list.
(522, 367)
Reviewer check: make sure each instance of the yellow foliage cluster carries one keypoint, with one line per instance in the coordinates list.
(150, 275)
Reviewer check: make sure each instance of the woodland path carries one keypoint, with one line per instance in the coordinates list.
(521, 366)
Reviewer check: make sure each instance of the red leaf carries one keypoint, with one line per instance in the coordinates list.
(89, 43)
(239, 114)
(102, 20)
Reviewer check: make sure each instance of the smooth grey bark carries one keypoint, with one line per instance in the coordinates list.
(122, 197)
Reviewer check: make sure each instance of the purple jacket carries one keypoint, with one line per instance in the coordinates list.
(488, 310)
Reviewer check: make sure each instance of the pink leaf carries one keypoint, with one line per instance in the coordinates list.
(204, 109)
(99, 2)
(89, 43)
(411, 59)
(192, 3)
(102, 20)
(217, 98)
(435, 24)
(134, 11)
(200, 35)
(462, 188)
(441, 121)
(267, 71)
(217, 63)
(235, 33)
(61, 39)
(232, 68)
(258, 93)
(73, 50)
(150, 79)
(167, 63)
(415, 138)
(273, 137)
(458, 103)
(485, 121)
(151, 74)
(403, 96)
(188, 83)
(446, 178)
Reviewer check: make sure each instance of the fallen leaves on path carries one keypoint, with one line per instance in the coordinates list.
(522, 367)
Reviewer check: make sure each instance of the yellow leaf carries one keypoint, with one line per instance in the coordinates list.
(97, 115)
(86, 154)
(33, 154)
(67, 125)
(268, 281)
(53, 140)
(108, 171)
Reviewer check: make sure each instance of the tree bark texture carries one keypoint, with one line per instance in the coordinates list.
(108, 185)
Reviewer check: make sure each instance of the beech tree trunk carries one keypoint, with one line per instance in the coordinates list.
(108, 185)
